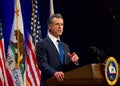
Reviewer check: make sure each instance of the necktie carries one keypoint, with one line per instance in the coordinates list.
(61, 51)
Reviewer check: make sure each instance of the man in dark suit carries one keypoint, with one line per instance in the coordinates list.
(49, 55)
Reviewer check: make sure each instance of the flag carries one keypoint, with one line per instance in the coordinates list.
(3, 75)
(33, 74)
(51, 8)
(16, 53)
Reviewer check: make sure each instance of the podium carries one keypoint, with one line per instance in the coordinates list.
(88, 75)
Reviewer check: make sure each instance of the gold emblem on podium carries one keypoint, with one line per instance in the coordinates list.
(111, 71)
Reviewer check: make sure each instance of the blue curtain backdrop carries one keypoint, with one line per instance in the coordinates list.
(7, 15)
(7, 10)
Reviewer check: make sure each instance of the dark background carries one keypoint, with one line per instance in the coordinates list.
(86, 23)
(91, 23)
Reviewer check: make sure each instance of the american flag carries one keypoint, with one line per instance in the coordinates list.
(3, 77)
(35, 23)
(33, 74)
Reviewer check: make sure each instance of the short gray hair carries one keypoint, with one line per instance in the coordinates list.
(50, 20)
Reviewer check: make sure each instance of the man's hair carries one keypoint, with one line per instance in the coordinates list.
(50, 20)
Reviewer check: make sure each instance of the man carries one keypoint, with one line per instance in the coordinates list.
(48, 53)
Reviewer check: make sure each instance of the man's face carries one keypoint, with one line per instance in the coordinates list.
(56, 28)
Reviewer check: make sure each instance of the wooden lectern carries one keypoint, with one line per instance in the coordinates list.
(89, 75)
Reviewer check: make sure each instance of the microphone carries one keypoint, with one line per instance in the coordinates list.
(112, 13)
(114, 17)
(98, 52)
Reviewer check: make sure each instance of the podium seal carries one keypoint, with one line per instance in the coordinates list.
(111, 71)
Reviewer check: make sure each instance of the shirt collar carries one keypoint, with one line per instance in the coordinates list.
(53, 38)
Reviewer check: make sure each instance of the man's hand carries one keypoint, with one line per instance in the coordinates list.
(59, 76)
(74, 57)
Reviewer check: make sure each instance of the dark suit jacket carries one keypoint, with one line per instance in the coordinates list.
(48, 58)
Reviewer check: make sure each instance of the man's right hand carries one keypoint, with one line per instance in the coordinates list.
(59, 76)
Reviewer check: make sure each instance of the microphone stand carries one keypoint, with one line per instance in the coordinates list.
(98, 60)
(98, 52)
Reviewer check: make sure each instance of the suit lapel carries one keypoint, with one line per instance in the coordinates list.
(66, 50)
(65, 53)
(53, 48)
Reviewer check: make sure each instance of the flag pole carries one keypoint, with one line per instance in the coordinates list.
(51, 7)
(18, 39)
(34, 25)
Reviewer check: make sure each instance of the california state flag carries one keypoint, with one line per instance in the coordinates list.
(16, 52)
